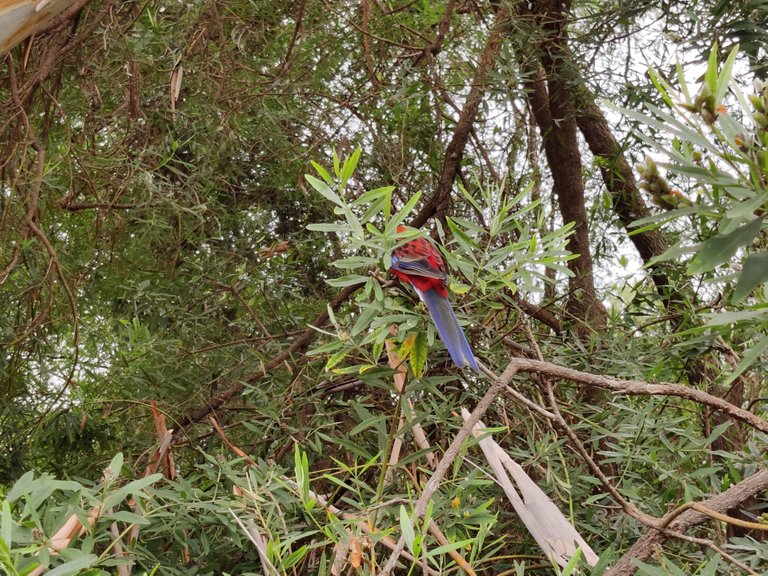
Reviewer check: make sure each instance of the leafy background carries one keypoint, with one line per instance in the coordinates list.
(199, 202)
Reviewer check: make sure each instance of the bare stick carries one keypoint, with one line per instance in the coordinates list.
(447, 460)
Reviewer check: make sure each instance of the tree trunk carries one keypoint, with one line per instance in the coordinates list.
(553, 108)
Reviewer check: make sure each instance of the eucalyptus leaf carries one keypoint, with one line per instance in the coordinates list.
(722, 247)
(753, 273)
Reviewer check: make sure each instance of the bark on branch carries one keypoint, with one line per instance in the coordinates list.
(438, 204)
(731, 498)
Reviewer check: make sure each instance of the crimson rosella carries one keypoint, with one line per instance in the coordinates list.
(419, 264)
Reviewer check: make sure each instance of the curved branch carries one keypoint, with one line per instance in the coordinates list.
(639, 388)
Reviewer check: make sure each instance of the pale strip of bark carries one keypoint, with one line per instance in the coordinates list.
(552, 531)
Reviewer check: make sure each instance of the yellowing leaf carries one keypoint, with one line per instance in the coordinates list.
(418, 356)
(406, 346)
(459, 288)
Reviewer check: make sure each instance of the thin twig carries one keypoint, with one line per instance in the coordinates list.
(448, 458)
(639, 388)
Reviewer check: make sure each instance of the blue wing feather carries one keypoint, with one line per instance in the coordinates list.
(417, 267)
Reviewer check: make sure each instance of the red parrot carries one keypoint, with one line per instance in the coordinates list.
(419, 264)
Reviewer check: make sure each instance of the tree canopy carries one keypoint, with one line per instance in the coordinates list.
(207, 368)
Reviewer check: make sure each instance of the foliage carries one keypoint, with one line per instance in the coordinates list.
(717, 150)
(506, 256)
(185, 190)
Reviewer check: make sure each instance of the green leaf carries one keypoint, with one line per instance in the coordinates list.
(141, 483)
(336, 164)
(324, 189)
(128, 517)
(295, 557)
(347, 280)
(451, 546)
(681, 80)
(74, 566)
(721, 247)
(572, 563)
(6, 525)
(349, 166)
(418, 356)
(301, 471)
(753, 273)
(328, 227)
(711, 568)
(710, 76)
(648, 569)
(723, 318)
(22, 486)
(407, 528)
(375, 194)
(467, 244)
(322, 171)
(725, 75)
(661, 86)
(364, 321)
(748, 359)
(403, 213)
(470, 198)
(353, 262)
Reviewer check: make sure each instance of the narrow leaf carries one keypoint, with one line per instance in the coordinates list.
(725, 75)
(347, 280)
(418, 356)
(328, 227)
(349, 166)
(710, 76)
(322, 171)
(720, 248)
(407, 528)
(74, 566)
(335, 359)
(406, 346)
(404, 212)
(324, 189)
(753, 273)
(6, 526)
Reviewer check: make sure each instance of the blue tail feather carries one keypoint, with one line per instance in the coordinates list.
(448, 327)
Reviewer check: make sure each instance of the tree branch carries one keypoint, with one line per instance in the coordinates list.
(438, 204)
(299, 345)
